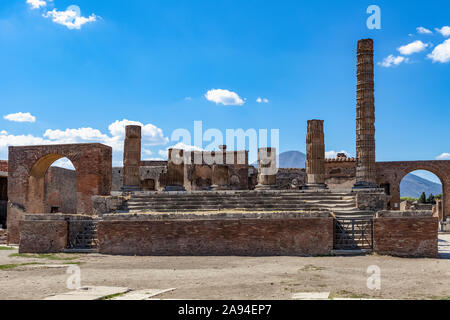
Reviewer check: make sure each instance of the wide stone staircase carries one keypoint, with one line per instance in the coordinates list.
(283, 201)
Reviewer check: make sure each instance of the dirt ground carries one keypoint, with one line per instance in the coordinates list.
(229, 278)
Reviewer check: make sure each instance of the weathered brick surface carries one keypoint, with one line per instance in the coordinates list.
(390, 174)
(42, 236)
(3, 236)
(244, 237)
(3, 166)
(27, 168)
(406, 236)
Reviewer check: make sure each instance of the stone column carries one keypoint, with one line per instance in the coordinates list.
(267, 168)
(175, 171)
(132, 158)
(315, 156)
(365, 117)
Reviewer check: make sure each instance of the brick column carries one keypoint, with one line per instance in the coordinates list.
(365, 117)
(175, 171)
(132, 158)
(315, 156)
(267, 168)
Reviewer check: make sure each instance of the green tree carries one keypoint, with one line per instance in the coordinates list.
(423, 198)
(431, 199)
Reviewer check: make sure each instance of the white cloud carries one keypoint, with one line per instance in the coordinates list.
(147, 152)
(445, 31)
(36, 4)
(333, 154)
(441, 53)
(179, 145)
(20, 117)
(262, 100)
(63, 163)
(413, 47)
(225, 97)
(393, 60)
(151, 136)
(443, 156)
(71, 17)
(423, 30)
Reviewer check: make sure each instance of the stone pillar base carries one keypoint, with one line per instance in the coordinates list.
(365, 185)
(130, 188)
(265, 187)
(174, 188)
(316, 186)
(215, 187)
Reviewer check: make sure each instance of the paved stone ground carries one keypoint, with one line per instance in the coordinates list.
(231, 277)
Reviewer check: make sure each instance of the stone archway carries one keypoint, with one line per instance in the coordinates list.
(391, 174)
(26, 181)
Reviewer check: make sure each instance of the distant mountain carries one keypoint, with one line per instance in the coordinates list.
(413, 186)
(290, 159)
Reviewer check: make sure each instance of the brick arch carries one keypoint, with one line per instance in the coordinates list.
(392, 173)
(27, 168)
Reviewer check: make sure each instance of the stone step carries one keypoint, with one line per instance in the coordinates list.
(275, 197)
(335, 204)
(271, 206)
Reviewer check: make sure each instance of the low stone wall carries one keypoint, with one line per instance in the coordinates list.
(14, 215)
(45, 236)
(406, 234)
(221, 236)
(108, 204)
(371, 200)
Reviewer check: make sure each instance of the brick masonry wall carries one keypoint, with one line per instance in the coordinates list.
(406, 236)
(3, 166)
(42, 236)
(244, 237)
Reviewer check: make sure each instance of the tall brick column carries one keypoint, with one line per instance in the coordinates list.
(175, 171)
(365, 117)
(315, 156)
(132, 158)
(267, 168)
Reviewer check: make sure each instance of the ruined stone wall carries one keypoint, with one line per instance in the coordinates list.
(3, 200)
(291, 178)
(61, 190)
(46, 236)
(153, 178)
(340, 173)
(117, 179)
(26, 178)
(3, 166)
(243, 237)
(390, 175)
(406, 234)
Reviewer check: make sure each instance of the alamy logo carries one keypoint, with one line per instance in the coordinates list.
(374, 280)
(74, 280)
(374, 21)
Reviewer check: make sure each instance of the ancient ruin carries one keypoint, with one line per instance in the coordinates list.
(315, 152)
(216, 203)
(365, 117)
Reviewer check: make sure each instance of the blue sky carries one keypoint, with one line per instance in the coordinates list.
(79, 77)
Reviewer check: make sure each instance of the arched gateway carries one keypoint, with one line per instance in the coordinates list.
(26, 181)
(390, 175)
